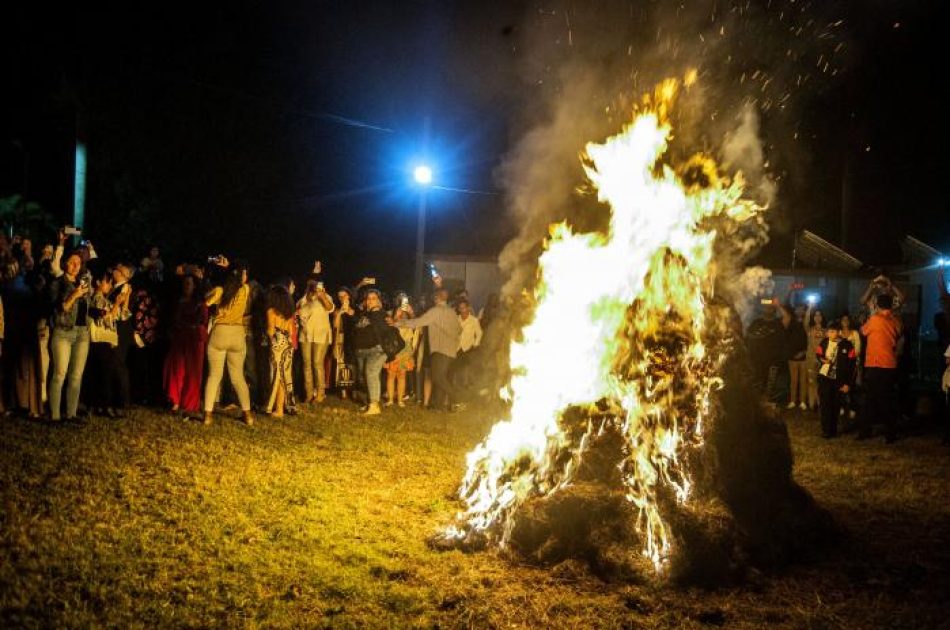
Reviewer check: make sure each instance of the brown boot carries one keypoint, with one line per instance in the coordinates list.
(248, 418)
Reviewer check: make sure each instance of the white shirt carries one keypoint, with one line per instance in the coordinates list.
(314, 321)
(471, 333)
(831, 353)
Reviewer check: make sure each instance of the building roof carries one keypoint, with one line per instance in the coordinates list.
(816, 252)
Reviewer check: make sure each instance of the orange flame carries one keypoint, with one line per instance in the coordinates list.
(619, 317)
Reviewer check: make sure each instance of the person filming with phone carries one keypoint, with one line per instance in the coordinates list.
(445, 332)
(313, 311)
(69, 341)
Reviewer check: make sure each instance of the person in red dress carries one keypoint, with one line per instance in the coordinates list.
(185, 360)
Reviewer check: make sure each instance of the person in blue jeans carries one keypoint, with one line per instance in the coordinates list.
(368, 327)
(69, 341)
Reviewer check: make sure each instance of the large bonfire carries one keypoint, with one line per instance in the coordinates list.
(615, 379)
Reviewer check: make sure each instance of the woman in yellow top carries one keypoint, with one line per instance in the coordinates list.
(227, 342)
(280, 323)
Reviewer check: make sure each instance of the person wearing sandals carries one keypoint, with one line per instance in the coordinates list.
(227, 342)
(403, 362)
(280, 330)
(314, 310)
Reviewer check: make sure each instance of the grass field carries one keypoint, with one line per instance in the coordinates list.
(321, 520)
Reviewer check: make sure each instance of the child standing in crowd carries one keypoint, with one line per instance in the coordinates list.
(836, 361)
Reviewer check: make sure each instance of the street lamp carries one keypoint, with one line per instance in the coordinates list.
(423, 177)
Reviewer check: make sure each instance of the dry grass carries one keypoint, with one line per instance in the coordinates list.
(321, 521)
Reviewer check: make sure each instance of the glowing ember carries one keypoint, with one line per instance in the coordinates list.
(618, 329)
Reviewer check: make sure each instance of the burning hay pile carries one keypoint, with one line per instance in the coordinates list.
(635, 440)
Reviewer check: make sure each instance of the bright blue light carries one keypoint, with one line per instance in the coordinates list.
(423, 175)
(812, 298)
(942, 262)
(79, 186)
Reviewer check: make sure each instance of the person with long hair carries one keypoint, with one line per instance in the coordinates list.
(280, 323)
(227, 342)
(368, 329)
(344, 352)
(403, 362)
(314, 310)
(104, 340)
(69, 341)
(816, 332)
(184, 363)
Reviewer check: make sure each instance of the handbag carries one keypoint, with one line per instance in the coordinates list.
(391, 342)
(102, 334)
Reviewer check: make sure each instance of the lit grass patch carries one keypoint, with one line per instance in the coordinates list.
(322, 521)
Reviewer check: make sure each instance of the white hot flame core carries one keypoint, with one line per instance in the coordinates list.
(619, 317)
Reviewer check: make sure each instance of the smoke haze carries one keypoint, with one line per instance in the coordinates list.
(585, 66)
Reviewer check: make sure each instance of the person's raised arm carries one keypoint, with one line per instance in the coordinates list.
(326, 300)
(423, 320)
(898, 294)
(54, 264)
(785, 310)
(213, 296)
(866, 296)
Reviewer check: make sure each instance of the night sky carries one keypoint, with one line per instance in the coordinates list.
(286, 131)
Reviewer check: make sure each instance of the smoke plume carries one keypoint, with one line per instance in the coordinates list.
(583, 67)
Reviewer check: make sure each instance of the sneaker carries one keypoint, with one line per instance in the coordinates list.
(401, 403)
(790, 405)
(803, 407)
(372, 410)
(388, 403)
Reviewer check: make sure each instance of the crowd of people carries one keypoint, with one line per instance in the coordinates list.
(83, 335)
(850, 373)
